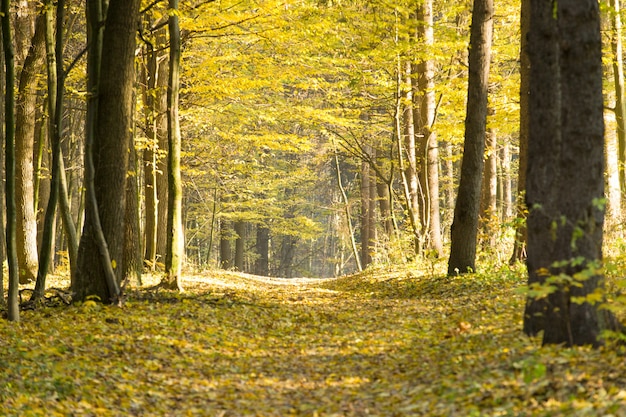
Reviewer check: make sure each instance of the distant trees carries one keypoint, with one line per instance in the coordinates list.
(300, 139)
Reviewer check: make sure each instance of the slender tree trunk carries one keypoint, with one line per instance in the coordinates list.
(150, 156)
(426, 121)
(366, 257)
(346, 205)
(175, 238)
(507, 191)
(54, 65)
(25, 119)
(613, 191)
(489, 200)
(465, 223)
(410, 145)
(519, 244)
(13, 312)
(618, 75)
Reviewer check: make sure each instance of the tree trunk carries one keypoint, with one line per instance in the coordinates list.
(366, 257)
(618, 76)
(226, 245)
(175, 238)
(346, 205)
(102, 241)
(566, 153)
(489, 199)
(410, 147)
(263, 249)
(25, 119)
(2, 170)
(54, 65)
(465, 223)
(430, 149)
(240, 231)
(505, 174)
(13, 312)
(133, 264)
(519, 244)
(155, 154)
(613, 192)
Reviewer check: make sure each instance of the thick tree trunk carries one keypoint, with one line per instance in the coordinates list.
(566, 153)
(25, 119)
(112, 138)
(465, 223)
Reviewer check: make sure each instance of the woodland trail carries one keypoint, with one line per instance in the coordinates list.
(383, 343)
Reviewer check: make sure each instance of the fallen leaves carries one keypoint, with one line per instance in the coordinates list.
(385, 343)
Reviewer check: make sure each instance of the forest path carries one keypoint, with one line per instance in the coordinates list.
(382, 343)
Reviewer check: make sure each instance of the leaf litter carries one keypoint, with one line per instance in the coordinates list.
(382, 343)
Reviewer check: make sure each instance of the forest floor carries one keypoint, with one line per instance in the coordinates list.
(382, 343)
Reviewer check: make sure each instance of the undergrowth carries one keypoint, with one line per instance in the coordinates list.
(387, 342)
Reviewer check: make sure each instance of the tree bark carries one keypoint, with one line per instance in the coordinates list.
(618, 76)
(566, 146)
(465, 223)
(175, 239)
(519, 244)
(102, 241)
(54, 66)
(13, 312)
(25, 119)
(428, 137)
(489, 200)
(240, 232)
(263, 248)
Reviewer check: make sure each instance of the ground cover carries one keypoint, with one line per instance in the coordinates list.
(383, 343)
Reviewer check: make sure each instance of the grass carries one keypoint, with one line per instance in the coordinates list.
(383, 343)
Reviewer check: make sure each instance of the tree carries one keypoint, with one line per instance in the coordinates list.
(465, 224)
(565, 153)
(25, 116)
(618, 76)
(109, 130)
(519, 244)
(175, 238)
(9, 118)
(429, 155)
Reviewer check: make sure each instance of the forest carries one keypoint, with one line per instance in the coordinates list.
(312, 207)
